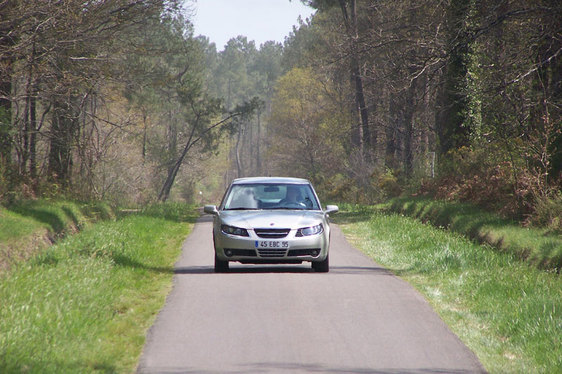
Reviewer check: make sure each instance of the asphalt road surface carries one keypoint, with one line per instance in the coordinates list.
(358, 318)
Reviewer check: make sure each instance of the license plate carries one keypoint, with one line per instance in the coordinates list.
(271, 244)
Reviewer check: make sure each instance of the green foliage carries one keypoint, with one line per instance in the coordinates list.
(308, 45)
(344, 189)
(475, 82)
(508, 313)
(322, 4)
(6, 136)
(242, 74)
(341, 188)
(513, 111)
(4, 179)
(306, 130)
(389, 184)
(180, 115)
(77, 128)
(478, 80)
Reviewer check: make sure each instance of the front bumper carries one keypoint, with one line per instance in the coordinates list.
(254, 249)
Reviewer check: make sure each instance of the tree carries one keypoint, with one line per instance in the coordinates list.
(6, 65)
(515, 84)
(349, 11)
(451, 119)
(241, 73)
(306, 128)
(54, 59)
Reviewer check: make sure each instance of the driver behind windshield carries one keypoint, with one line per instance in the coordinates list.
(293, 196)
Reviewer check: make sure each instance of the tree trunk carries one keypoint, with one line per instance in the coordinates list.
(173, 170)
(409, 129)
(61, 137)
(258, 146)
(350, 20)
(392, 145)
(33, 137)
(5, 124)
(191, 141)
(172, 173)
(451, 117)
(30, 117)
(545, 118)
(6, 63)
(239, 164)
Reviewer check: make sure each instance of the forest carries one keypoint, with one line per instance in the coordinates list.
(118, 100)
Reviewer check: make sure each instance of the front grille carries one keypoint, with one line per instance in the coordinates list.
(272, 252)
(272, 233)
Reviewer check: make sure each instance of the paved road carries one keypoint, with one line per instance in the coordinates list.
(358, 318)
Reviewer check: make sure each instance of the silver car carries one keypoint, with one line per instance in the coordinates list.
(271, 220)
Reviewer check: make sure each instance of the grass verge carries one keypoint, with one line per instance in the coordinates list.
(538, 246)
(507, 312)
(28, 227)
(84, 304)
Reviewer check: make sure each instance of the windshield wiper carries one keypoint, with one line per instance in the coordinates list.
(242, 208)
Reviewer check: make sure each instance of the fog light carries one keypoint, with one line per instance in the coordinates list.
(228, 252)
(315, 252)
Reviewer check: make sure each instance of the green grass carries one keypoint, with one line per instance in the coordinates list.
(30, 226)
(507, 312)
(58, 216)
(85, 304)
(13, 226)
(539, 246)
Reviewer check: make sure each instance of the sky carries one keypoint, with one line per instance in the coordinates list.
(258, 20)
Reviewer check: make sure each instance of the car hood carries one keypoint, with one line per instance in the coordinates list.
(291, 219)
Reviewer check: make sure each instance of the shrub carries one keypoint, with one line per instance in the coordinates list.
(548, 212)
(342, 189)
(388, 184)
(471, 175)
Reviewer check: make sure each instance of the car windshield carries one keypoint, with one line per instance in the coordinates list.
(271, 196)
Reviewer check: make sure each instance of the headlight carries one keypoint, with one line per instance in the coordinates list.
(313, 230)
(231, 230)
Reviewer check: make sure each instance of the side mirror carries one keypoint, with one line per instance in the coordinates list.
(331, 209)
(210, 209)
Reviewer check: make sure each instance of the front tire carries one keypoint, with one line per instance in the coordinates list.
(220, 265)
(322, 266)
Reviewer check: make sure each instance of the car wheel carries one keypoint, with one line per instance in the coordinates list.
(322, 266)
(220, 265)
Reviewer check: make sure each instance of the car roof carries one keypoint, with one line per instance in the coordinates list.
(272, 180)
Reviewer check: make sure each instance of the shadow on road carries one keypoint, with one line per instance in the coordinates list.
(346, 270)
(194, 270)
(273, 367)
(243, 269)
(319, 368)
(205, 218)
